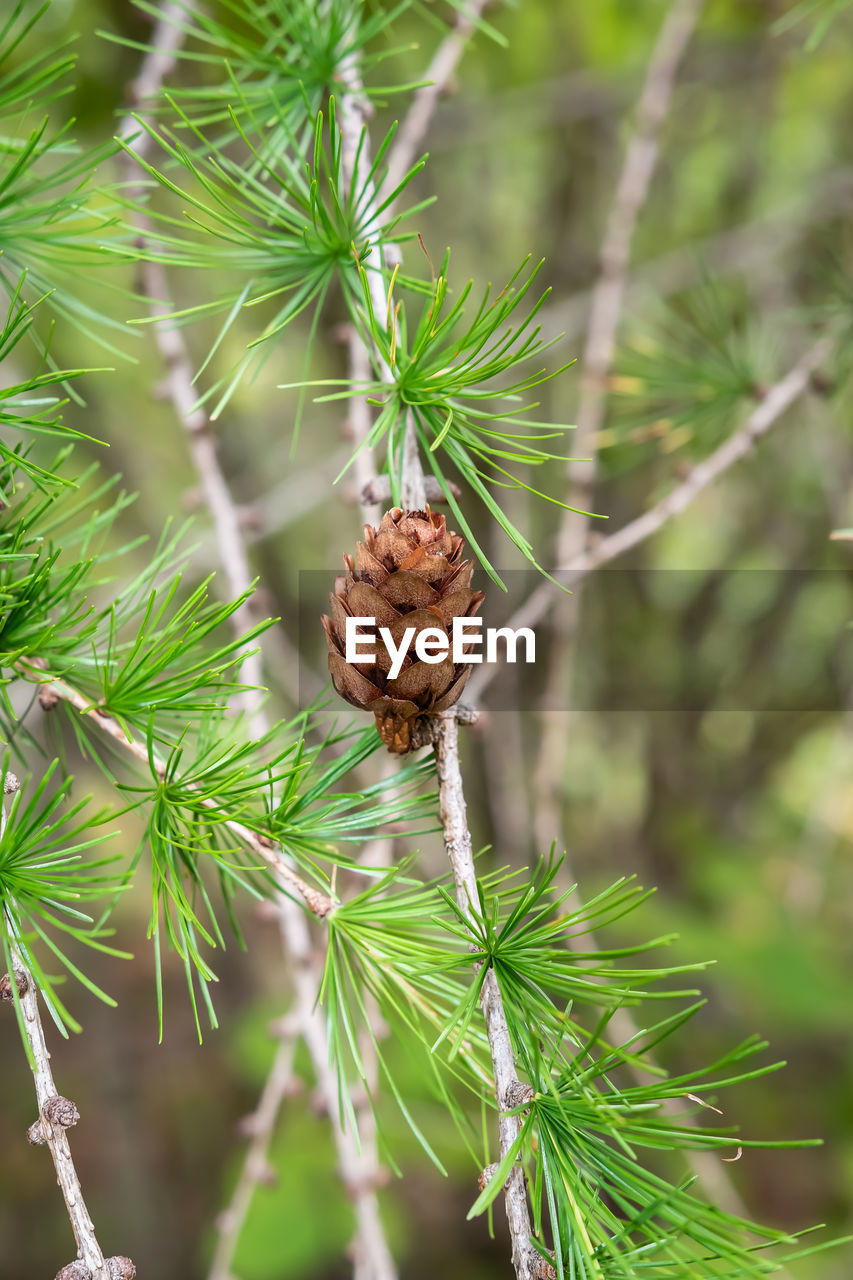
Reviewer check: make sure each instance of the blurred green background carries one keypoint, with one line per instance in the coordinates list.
(742, 817)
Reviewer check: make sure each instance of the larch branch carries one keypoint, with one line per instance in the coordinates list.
(54, 1135)
(320, 904)
(373, 1260)
(353, 117)
(606, 305)
(255, 1166)
(457, 842)
(56, 1114)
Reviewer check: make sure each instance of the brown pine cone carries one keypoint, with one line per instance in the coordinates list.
(407, 573)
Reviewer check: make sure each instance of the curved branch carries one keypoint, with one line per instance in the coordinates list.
(50, 1132)
(56, 1115)
(320, 904)
(739, 445)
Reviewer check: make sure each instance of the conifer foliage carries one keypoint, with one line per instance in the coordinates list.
(254, 173)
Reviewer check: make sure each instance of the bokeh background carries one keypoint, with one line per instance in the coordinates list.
(742, 816)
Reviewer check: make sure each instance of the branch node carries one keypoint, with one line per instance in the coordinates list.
(61, 1112)
(466, 714)
(517, 1093)
(35, 1134)
(540, 1268)
(6, 985)
(377, 492)
(120, 1268)
(48, 699)
(74, 1271)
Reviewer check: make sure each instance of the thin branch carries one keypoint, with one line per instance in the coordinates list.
(353, 116)
(752, 245)
(357, 1159)
(508, 1088)
(607, 302)
(608, 297)
(320, 904)
(457, 841)
(739, 445)
(53, 1134)
(56, 1115)
(159, 62)
(609, 293)
(415, 126)
(359, 1165)
(262, 1123)
(294, 928)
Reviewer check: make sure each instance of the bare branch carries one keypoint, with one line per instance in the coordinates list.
(53, 1134)
(56, 1114)
(608, 296)
(609, 293)
(263, 1120)
(755, 245)
(739, 445)
(166, 40)
(352, 117)
(372, 1256)
(359, 1165)
(357, 1159)
(157, 65)
(444, 733)
(415, 126)
(457, 842)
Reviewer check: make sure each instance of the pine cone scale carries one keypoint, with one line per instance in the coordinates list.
(405, 588)
(422, 679)
(364, 601)
(353, 686)
(454, 693)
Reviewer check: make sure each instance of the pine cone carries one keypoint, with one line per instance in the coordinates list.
(407, 573)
